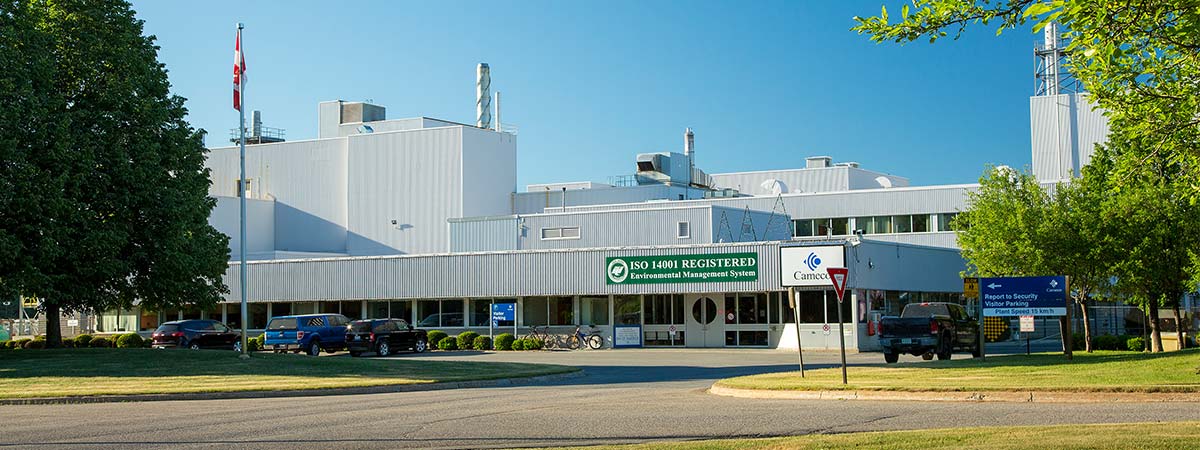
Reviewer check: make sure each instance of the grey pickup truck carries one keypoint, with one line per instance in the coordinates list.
(928, 329)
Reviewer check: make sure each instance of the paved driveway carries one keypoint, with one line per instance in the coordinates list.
(626, 396)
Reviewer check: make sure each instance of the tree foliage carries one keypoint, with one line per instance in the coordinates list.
(1139, 60)
(103, 193)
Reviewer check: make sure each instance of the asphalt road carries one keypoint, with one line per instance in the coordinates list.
(626, 396)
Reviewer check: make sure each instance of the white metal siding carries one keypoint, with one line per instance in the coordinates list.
(412, 177)
(260, 224)
(507, 274)
(1064, 130)
(482, 235)
(489, 172)
(619, 228)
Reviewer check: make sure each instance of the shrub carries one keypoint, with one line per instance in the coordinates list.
(534, 344)
(519, 344)
(255, 344)
(1136, 344)
(1109, 342)
(466, 339)
(36, 344)
(6, 345)
(129, 340)
(20, 343)
(448, 344)
(503, 342)
(83, 340)
(100, 342)
(1077, 343)
(435, 337)
(68, 343)
(482, 343)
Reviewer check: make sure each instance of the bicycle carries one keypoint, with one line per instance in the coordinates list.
(578, 339)
(541, 333)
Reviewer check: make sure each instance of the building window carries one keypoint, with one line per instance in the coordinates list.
(401, 309)
(804, 228)
(945, 220)
(628, 309)
(840, 226)
(452, 313)
(560, 233)
(428, 313)
(664, 309)
(683, 230)
(593, 310)
(481, 312)
(902, 224)
(920, 223)
(812, 306)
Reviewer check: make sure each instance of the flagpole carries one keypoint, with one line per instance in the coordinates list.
(242, 195)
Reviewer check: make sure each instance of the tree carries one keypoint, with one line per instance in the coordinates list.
(1014, 226)
(1139, 60)
(104, 189)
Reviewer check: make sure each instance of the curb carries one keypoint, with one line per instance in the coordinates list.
(386, 389)
(963, 396)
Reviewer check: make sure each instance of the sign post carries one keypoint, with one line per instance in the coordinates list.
(838, 276)
(1026, 328)
(796, 312)
(971, 290)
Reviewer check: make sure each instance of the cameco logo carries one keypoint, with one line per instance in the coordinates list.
(812, 262)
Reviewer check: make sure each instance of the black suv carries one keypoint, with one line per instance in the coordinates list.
(384, 336)
(196, 334)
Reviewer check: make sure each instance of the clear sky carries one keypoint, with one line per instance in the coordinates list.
(591, 84)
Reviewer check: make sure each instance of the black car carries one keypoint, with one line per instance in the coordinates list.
(384, 336)
(196, 334)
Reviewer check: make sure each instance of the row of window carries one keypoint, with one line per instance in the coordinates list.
(845, 226)
(683, 230)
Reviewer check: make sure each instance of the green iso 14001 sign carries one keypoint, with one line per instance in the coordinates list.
(720, 267)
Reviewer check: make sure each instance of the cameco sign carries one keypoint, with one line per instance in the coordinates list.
(806, 266)
(1023, 296)
(717, 267)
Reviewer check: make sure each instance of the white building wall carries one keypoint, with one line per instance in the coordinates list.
(260, 224)
(1064, 130)
(411, 177)
(489, 172)
(307, 181)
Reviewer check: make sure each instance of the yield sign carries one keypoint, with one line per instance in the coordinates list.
(838, 276)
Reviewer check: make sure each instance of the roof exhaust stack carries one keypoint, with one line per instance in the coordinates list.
(483, 96)
(497, 127)
(689, 150)
(1050, 36)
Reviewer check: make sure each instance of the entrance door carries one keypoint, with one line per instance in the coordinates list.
(705, 326)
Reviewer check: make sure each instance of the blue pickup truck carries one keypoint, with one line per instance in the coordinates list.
(311, 333)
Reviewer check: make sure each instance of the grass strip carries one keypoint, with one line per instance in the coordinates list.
(1102, 371)
(99, 371)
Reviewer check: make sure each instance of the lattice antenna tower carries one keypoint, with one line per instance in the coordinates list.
(779, 218)
(1050, 58)
(723, 227)
(747, 225)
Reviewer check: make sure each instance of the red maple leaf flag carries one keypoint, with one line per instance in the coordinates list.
(239, 72)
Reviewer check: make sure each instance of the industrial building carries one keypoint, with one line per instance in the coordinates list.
(421, 219)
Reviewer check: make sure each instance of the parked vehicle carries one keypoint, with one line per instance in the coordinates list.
(196, 334)
(384, 336)
(928, 329)
(311, 333)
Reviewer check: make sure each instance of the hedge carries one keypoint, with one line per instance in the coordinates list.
(482, 343)
(503, 342)
(100, 342)
(435, 337)
(533, 344)
(466, 339)
(83, 340)
(1136, 344)
(448, 344)
(130, 340)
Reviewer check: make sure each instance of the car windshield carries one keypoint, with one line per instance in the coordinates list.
(282, 324)
(169, 328)
(361, 326)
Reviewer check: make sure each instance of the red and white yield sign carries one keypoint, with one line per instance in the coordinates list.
(838, 276)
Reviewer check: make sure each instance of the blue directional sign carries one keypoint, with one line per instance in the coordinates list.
(503, 312)
(1023, 296)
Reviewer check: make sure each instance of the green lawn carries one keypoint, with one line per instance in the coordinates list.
(96, 371)
(1095, 372)
(1109, 436)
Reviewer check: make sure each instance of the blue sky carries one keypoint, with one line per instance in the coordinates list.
(591, 84)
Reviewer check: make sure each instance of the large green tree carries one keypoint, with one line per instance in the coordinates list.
(103, 193)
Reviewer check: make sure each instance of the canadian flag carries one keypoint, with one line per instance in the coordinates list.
(239, 72)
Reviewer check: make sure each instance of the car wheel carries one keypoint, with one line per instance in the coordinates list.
(237, 346)
(384, 349)
(891, 358)
(421, 346)
(314, 348)
(194, 346)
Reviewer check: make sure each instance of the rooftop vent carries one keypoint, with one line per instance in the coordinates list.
(818, 162)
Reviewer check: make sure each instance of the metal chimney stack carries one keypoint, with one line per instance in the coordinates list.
(256, 123)
(483, 96)
(1050, 37)
(497, 127)
(689, 150)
